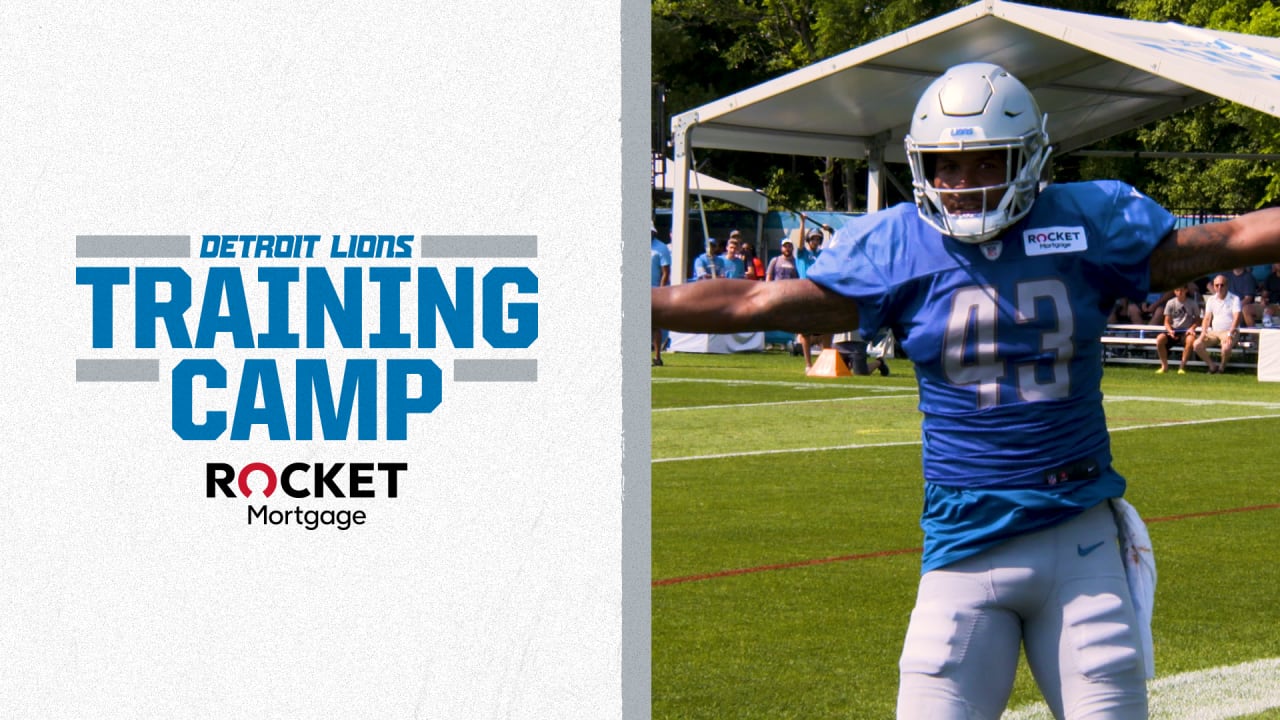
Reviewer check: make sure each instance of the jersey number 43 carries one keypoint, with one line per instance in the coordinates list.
(973, 353)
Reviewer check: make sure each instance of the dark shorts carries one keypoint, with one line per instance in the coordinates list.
(1178, 336)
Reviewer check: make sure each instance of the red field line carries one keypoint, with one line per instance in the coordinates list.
(1207, 513)
(909, 551)
(785, 566)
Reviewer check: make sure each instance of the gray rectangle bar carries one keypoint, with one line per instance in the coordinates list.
(117, 370)
(479, 246)
(495, 370)
(133, 246)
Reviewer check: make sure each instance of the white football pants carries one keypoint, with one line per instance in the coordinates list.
(1062, 594)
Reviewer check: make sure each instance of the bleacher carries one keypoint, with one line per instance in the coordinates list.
(1137, 344)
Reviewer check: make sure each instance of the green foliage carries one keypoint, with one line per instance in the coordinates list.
(790, 190)
(1217, 184)
(706, 49)
(1217, 127)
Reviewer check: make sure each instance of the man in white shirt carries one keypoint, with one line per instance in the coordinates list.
(1221, 321)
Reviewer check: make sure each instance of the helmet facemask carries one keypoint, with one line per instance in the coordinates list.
(977, 107)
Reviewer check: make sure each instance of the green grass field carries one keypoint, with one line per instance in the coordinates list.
(785, 536)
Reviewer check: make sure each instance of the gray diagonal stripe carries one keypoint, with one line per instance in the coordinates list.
(117, 370)
(133, 246)
(495, 370)
(479, 246)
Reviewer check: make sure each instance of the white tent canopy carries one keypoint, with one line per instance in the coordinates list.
(664, 180)
(1094, 76)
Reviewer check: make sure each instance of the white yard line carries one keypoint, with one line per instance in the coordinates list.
(1198, 401)
(895, 392)
(786, 450)
(1208, 421)
(726, 406)
(859, 446)
(797, 384)
(1215, 694)
(782, 402)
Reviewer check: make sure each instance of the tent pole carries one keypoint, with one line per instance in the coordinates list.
(875, 175)
(850, 195)
(680, 205)
(762, 247)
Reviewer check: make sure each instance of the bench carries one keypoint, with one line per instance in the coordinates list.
(1136, 344)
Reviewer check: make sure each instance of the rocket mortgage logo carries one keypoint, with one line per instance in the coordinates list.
(296, 338)
(304, 481)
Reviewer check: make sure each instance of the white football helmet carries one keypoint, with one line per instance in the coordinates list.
(977, 106)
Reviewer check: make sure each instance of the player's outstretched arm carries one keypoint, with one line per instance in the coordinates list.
(721, 306)
(1189, 253)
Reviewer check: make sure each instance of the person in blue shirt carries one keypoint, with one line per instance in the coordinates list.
(659, 276)
(998, 286)
(734, 264)
(710, 264)
(809, 251)
(805, 257)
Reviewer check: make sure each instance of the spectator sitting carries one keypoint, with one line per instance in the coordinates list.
(1242, 284)
(1194, 292)
(1126, 311)
(1221, 321)
(1180, 317)
(709, 265)
(1155, 308)
(1269, 290)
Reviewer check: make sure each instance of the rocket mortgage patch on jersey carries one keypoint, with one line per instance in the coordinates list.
(1053, 240)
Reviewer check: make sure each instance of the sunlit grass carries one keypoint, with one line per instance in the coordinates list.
(819, 635)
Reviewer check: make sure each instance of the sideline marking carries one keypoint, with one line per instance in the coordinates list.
(803, 385)
(780, 451)
(855, 446)
(786, 402)
(1215, 693)
(1175, 423)
(1186, 401)
(796, 384)
(909, 551)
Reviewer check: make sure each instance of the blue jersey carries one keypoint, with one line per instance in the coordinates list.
(1006, 340)
(659, 257)
(805, 260)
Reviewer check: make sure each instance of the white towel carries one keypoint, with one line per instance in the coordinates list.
(1140, 570)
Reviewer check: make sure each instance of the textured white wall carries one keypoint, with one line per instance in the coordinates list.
(490, 588)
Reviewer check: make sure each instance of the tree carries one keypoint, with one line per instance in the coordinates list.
(1220, 126)
(706, 49)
